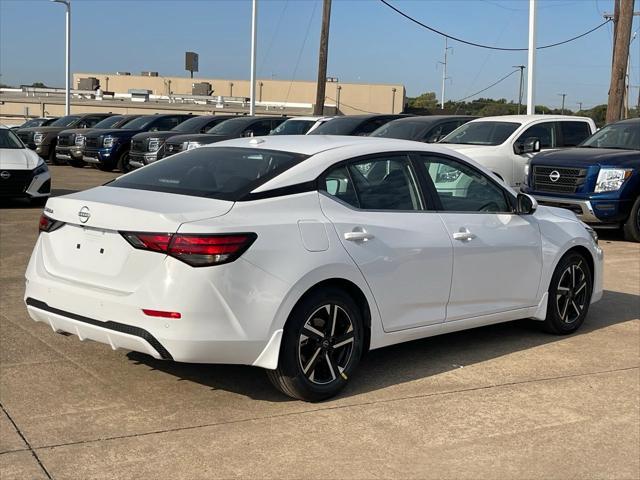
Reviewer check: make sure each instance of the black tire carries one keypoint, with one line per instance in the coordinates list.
(53, 160)
(316, 364)
(77, 163)
(38, 201)
(106, 166)
(569, 295)
(632, 226)
(123, 162)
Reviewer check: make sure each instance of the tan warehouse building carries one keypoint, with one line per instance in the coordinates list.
(171, 94)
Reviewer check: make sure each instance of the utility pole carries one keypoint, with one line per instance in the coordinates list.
(579, 106)
(531, 105)
(254, 34)
(318, 109)
(444, 72)
(563, 95)
(521, 67)
(622, 39)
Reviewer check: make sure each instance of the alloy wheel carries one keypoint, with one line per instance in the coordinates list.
(326, 344)
(572, 294)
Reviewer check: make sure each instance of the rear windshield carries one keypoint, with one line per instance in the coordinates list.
(224, 173)
(481, 133)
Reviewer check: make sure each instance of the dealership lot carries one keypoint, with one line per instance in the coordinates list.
(501, 401)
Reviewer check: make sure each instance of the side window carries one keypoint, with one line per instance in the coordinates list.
(573, 133)
(460, 188)
(545, 132)
(385, 184)
(91, 121)
(337, 183)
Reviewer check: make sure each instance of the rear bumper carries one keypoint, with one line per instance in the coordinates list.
(217, 324)
(118, 335)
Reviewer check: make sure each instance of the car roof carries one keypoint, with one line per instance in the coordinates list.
(326, 150)
(529, 118)
(311, 118)
(430, 118)
(629, 120)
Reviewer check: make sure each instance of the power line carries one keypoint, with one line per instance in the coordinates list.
(304, 42)
(473, 44)
(487, 88)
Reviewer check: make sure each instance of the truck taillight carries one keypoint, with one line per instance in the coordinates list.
(47, 224)
(194, 249)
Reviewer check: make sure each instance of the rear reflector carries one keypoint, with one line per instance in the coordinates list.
(193, 249)
(47, 224)
(161, 314)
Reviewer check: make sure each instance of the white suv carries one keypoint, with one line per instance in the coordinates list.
(505, 144)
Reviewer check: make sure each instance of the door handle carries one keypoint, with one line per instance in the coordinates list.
(464, 235)
(358, 236)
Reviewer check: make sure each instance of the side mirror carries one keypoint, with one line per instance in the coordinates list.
(526, 204)
(529, 145)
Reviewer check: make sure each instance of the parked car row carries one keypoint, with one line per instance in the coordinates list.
(598, 180)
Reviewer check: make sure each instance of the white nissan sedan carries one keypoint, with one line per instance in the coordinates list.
(299, 254)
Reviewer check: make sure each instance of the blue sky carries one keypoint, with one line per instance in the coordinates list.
(368, 42)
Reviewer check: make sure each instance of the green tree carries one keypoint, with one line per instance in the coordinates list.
(426, 101)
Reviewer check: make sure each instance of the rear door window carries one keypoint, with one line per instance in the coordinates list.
(224, 173)
(573, 133)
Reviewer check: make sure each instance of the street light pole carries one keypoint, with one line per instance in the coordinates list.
(254, 31)
(531, 106)
(67, 79)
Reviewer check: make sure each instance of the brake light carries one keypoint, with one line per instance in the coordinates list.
(47, 224)
(161, 313)
(193, 249)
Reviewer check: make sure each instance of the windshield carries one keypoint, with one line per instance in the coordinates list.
(109, 122)
(337, 126)
(293, 127)
(191, 125)
(65, 121)
(139, 123)
(35, 122)
(400, 129)
(9, 140)
(229, 127)
(214, 172)
(481, 133)
(617, 135)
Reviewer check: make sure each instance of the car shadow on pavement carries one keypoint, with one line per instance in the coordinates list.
(412, 360)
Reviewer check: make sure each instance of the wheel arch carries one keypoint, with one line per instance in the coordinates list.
(355, 292)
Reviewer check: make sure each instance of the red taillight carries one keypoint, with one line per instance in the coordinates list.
(161, 314)
(47, 224)
(158, 242)
(195, 250)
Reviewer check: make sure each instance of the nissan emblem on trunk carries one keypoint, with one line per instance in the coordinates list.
(554, 176)
(5, 175)
(84, 214)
